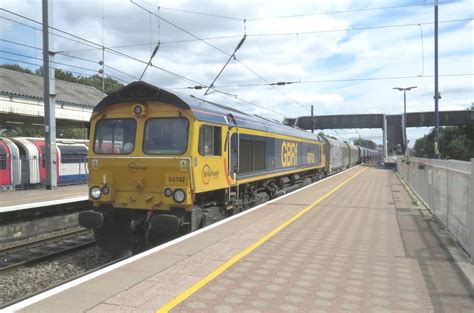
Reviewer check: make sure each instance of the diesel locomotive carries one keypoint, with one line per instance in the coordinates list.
(163, 164)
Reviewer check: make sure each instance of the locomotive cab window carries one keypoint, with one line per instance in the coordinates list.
(210, 140)
(115, 136)
(166, 135)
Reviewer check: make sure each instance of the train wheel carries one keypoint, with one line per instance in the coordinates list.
(115, 241)
(152, 239)
(116, 236)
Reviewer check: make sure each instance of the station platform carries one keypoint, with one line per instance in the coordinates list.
(35, 198)
(352, 242)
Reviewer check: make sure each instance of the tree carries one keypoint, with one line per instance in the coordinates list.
(366, 143)
(64, 75)
(110, 84)
(24, 131)
(72, 133)
(38, 132)
(62, 132)
(455, 142)
(424, 147)
(16, 67)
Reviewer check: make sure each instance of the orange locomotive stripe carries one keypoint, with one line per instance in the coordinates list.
(229, 182)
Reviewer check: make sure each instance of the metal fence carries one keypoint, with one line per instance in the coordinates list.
(447, 188)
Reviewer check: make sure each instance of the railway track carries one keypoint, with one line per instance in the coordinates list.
(41, 290)
(41, 249)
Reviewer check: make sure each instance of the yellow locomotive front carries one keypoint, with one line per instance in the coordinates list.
(140, 164)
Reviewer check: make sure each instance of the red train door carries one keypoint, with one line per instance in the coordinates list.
(42, 158)
(5, 165)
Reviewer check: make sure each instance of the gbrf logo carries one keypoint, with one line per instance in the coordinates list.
(289, 154)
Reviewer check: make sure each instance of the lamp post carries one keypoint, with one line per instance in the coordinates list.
(405, 114)
(436, 89)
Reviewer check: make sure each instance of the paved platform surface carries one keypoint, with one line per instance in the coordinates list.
(363, 248)
(29, 198)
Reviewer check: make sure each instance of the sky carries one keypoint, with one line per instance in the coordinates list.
(342, 56)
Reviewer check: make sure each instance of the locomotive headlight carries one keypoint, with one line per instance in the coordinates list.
(137, 109)
(105, 190)
(179, 196)
(168, 192)
(95, 193)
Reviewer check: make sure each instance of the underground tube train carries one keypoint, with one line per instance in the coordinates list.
(22, 162)
(162, 164)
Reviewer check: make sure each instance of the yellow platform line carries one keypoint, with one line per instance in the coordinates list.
(187, 293)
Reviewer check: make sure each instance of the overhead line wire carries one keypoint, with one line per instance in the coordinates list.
(88, 41)
(346, 80)
(117, 53)
(106, 48)
(122, 72)
(346, 11)
(38, 29)
(201, 13)
(302, 14)
(38, 65)
(254, 85)
(61, 63)
(76, 57)
(358, 28)
(98, 46)
(55, 62)
(250, 103)
(133, 58)
(215, 47)
(12, 42)
(288, 34)
(20, 44)
(313, 81)
(70, 56)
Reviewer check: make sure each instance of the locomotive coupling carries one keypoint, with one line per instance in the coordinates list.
(91, 219)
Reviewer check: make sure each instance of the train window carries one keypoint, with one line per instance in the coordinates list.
(210, 140)
(166, 136)
(115, 136)
(73, 154)
(3, 158)
(234, 152)
(259, 155)
(252, 155)
(313, 154)
(43, 156)
(245, 156)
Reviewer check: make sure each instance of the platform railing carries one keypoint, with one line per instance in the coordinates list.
(447, 189)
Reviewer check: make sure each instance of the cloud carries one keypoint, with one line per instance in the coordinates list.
(325, 54)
